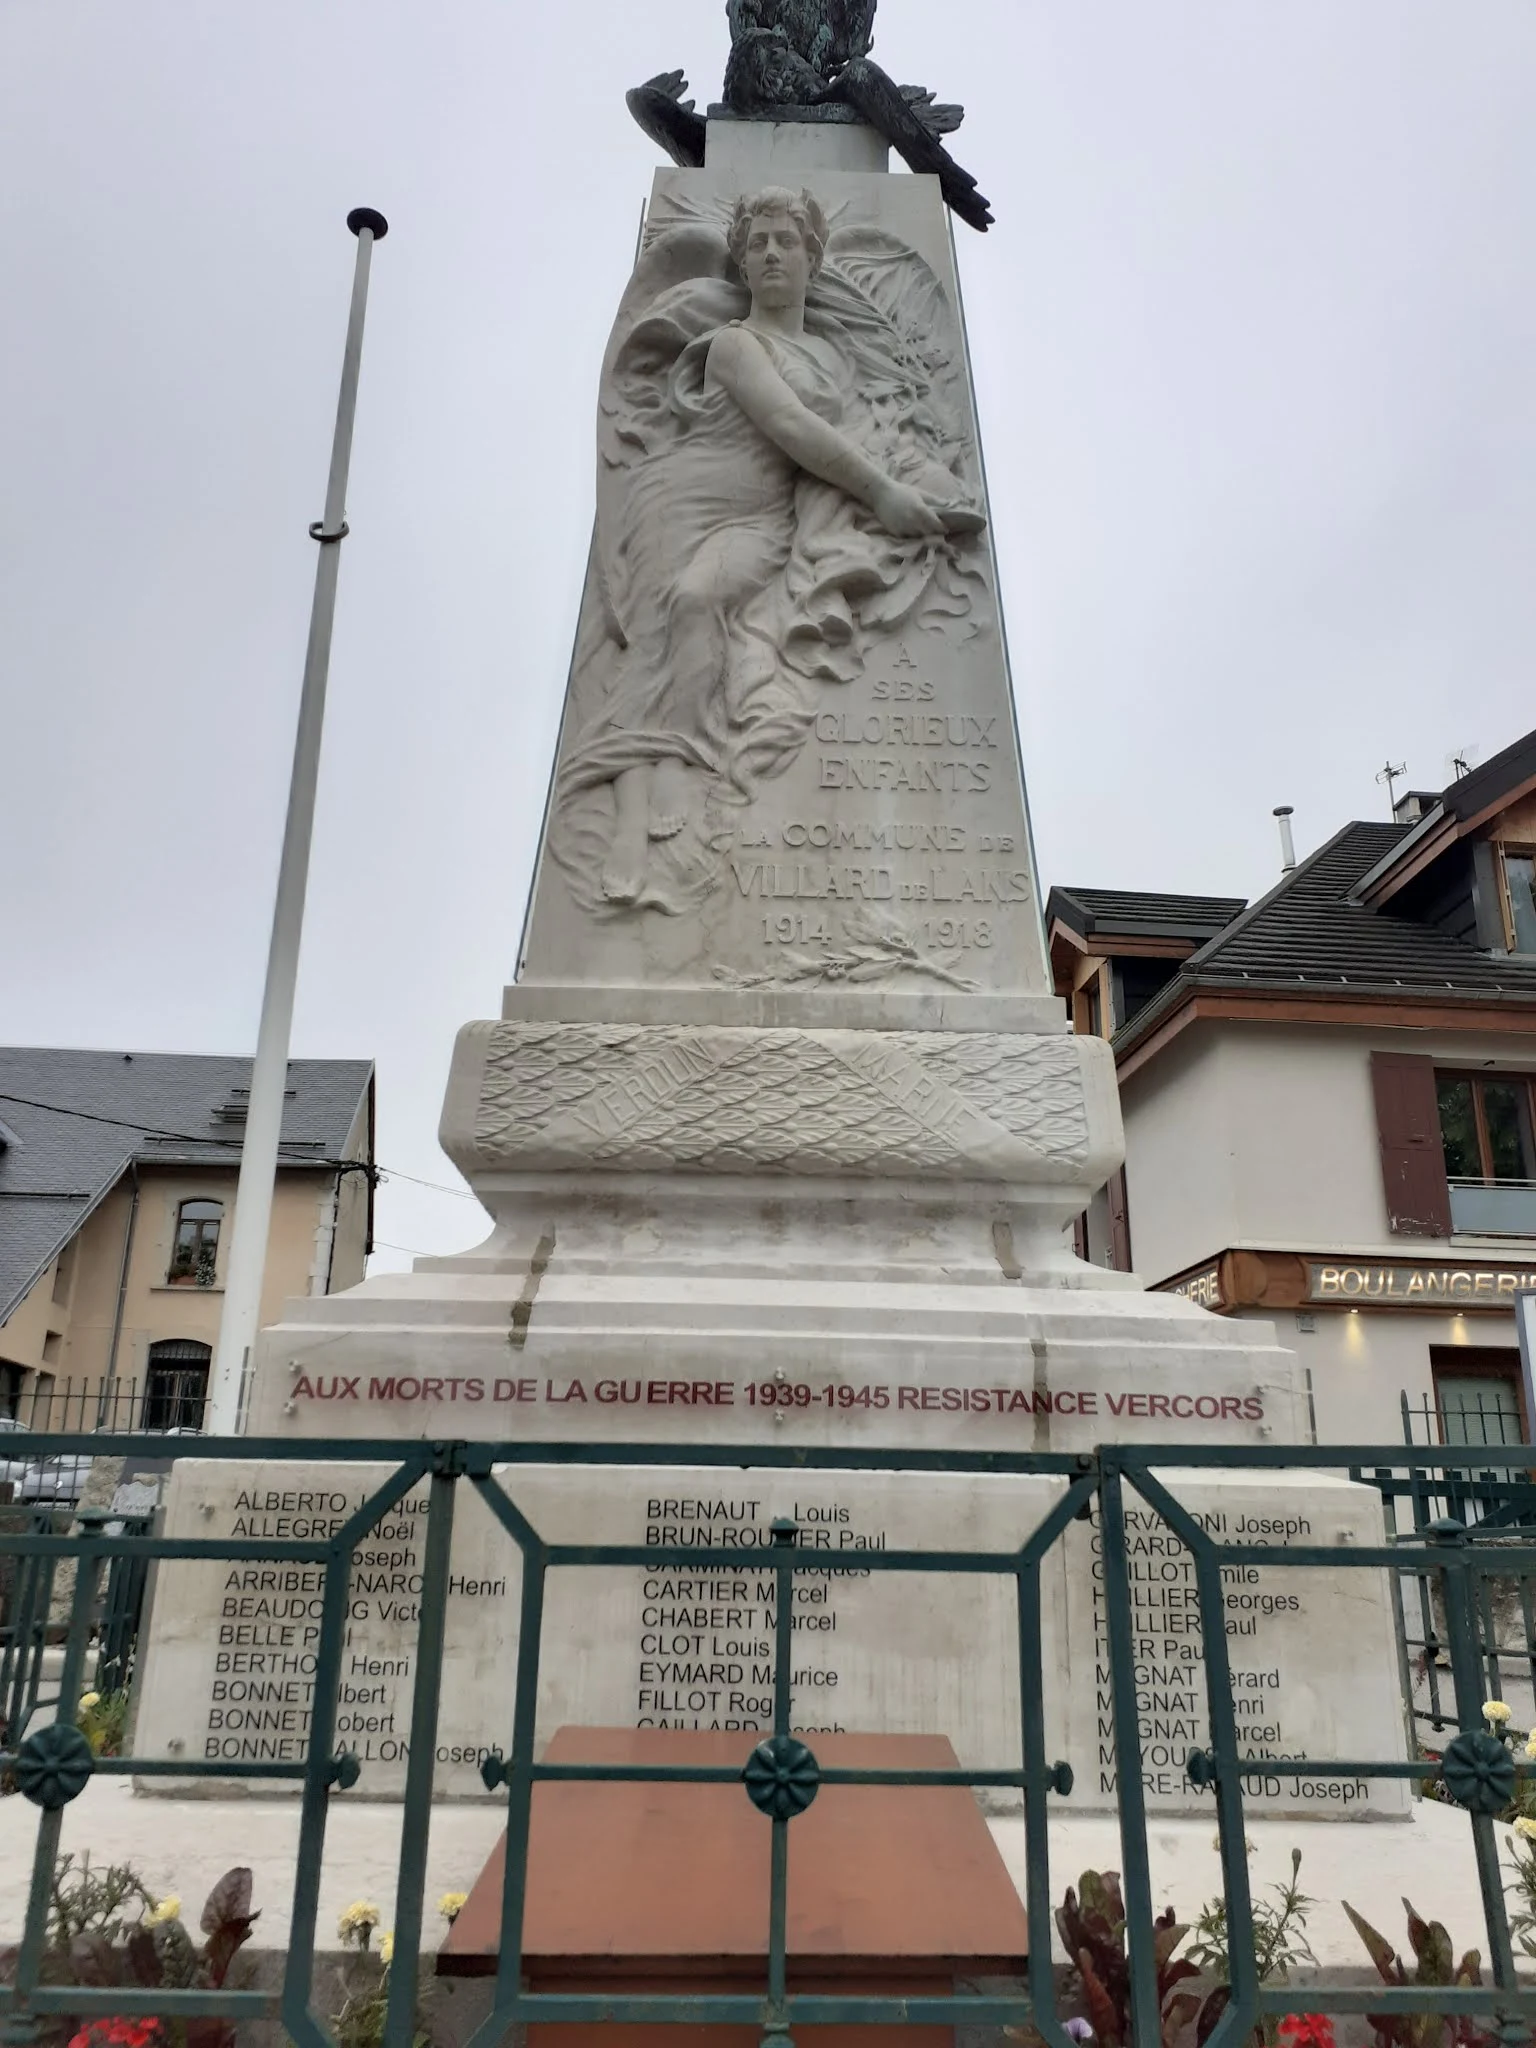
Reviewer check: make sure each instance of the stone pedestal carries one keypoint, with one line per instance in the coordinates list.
(781, 1095)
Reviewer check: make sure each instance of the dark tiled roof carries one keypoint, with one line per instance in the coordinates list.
(105, 1108)
(1143, 913)
(1485, 785)
(1307, 934)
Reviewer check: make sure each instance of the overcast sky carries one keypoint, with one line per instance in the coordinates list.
(1254, 343)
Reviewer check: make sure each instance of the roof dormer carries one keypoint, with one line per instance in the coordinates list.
(1468, 862)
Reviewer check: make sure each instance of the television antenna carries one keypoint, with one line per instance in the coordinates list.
(1389, 775)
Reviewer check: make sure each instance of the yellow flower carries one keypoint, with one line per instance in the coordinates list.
(386, 1948)
(169, 1908)
(1530, 1745)
(1495, 1711)
(358, 1922)
(1526, 1829)
(89, 1700)
(452, 1904)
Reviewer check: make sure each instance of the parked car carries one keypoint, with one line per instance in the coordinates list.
(39, 1482)
(12, 1469)
(55, 1482)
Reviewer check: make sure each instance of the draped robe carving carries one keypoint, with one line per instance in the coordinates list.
(692, 497)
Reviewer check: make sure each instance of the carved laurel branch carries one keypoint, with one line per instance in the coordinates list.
(865, 952)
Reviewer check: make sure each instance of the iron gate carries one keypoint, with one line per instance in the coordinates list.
(53, 1764)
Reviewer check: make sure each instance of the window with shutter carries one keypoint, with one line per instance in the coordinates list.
(1413, 1173)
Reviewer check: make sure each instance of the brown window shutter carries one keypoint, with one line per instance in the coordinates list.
(1080, 1235)
(1412, 1156)
(1119, 1222)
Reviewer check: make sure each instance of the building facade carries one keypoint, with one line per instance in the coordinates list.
(117, 1195)
(1330, 1104)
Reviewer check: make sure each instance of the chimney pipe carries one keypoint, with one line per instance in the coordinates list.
(1285, 812)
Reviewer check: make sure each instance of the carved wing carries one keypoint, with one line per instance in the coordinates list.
(899, 117)
(884, 282)
(680, 290)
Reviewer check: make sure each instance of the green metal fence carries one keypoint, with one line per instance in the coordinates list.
(52, 1764)
(28, 1629)
(1496, 1504)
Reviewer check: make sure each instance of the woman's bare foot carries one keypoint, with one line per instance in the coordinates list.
(669, 799)
(624, 869)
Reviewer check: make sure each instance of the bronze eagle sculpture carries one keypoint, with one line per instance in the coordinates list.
(809, 60)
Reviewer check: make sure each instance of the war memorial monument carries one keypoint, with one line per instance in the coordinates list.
(781, 1125)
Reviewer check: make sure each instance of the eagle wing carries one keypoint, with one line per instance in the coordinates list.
(668, 118)
(899, 114)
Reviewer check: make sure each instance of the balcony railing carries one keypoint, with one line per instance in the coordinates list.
(1500, 1208)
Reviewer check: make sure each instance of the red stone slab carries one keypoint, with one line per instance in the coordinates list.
(631, 1887)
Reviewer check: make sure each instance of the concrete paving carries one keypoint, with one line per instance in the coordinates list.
(184, 1846)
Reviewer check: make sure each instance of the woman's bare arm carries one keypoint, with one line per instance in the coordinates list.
(744, 368)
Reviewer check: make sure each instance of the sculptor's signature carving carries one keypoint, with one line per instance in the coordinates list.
(783, 470)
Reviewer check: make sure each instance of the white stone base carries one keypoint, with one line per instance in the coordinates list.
(931, 1317)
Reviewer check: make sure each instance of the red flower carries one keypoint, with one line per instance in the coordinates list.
(117, 2033)
(1300, 2030)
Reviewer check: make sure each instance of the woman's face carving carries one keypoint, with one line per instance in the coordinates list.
(776, 262)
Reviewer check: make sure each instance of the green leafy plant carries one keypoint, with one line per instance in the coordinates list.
(1280, 1946)
(94, 1902)
(363, 1980)
(1091, 1921)
(358, 2021)
(102, 1718)
(1435, 1963)
(1522, 1923)
(106, 1928)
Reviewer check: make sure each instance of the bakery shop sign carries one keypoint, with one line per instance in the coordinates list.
(1202, 1288)
(1357, 1284)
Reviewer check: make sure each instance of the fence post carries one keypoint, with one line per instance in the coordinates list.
(448, 1466)
(1458, 1567)
(1146, 2007)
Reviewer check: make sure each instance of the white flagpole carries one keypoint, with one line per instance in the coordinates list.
(247, 1259)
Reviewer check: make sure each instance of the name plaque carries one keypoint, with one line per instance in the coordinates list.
(235, 1645)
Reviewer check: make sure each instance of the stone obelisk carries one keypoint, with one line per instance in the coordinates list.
(781, 1084)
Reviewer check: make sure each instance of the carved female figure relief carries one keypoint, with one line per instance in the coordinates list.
(784, 469)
